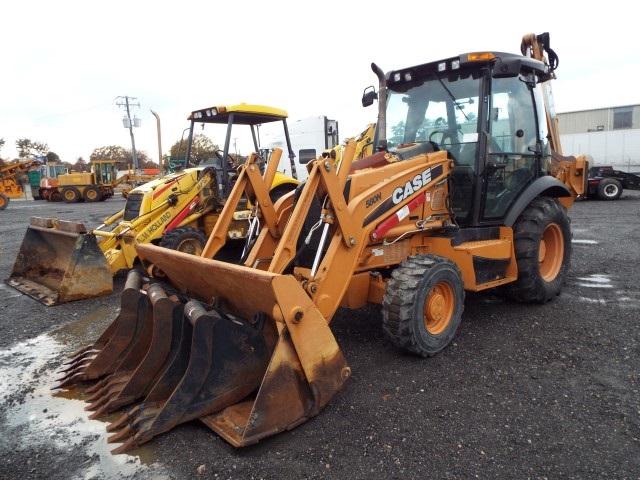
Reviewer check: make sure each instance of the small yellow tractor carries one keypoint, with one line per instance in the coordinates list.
(61, 261)
(466, 190)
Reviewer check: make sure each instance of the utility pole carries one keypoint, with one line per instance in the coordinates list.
(127, 102)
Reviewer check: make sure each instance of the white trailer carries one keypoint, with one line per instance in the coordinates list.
(618, 148)
(309, 138)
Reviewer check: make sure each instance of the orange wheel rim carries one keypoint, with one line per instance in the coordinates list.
(92, 194)
(2, 201)
(69, 194)
(438, 308)
(551, 252)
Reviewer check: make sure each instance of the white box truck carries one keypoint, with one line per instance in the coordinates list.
(309, 138)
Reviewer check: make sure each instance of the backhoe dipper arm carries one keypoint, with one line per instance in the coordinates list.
(538, 47)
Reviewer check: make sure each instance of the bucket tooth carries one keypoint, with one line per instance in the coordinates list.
(98, 344)
(124, 388)
(227, 361)
(59, 262)
(125, 332)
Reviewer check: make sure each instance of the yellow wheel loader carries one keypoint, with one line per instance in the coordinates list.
(466, 191)
(61, 261)
(10, 174)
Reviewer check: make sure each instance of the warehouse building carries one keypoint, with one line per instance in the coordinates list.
(610, 135)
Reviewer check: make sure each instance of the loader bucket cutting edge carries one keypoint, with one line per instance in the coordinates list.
(55, 266)
(243, 383)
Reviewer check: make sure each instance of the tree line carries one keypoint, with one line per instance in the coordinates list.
(203, 148)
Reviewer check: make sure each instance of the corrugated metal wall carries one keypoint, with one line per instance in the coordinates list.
(594, 120)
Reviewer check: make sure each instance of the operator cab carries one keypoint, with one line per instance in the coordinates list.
(223, 161)
(486, 110)
(105, 171)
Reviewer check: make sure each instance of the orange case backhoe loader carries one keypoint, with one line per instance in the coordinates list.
(464, 193)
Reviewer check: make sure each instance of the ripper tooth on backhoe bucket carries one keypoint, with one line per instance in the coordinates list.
(60, 262)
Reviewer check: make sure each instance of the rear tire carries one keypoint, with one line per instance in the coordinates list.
(423, 304)
(4, 201)
(71, 195)
(55, 196)
(542, 238)
(92, 194)
(609, 189)
(185, 239)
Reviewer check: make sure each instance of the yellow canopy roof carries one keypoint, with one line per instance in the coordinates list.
(243, 113)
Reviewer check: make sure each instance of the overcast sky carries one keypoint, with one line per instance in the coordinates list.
(63, 62)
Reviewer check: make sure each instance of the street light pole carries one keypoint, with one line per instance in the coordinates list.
(164, 168)
(133, 140)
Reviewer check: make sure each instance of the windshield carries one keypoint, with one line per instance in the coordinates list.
(438, 110)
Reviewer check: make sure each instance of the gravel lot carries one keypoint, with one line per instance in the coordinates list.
(546, 391)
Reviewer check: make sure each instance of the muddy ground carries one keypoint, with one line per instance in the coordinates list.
(524, 391)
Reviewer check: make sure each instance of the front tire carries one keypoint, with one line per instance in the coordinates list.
(423, 304)
(542, 238)
(4, 201)
(185, 239)
(609, 189)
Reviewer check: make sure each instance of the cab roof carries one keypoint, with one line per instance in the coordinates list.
(453, 65)
(243, 114)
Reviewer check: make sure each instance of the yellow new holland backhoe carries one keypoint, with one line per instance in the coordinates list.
(61, 261)
(466, 191)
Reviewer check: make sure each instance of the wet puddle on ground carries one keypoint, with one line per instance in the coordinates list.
(595, 281)
(38, 417)
(584, 241)
(602, 290)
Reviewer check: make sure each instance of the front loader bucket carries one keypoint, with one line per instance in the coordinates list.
(59, 262)
(263, 361)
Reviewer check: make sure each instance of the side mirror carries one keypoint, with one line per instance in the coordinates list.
(506, 68)
(368, 96)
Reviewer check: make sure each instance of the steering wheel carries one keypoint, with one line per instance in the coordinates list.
(445, 134)
(451, 145)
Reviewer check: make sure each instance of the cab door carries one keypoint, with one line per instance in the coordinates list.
(513, 150)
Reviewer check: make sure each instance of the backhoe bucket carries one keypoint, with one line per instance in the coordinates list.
(59, 262)
(264, 360)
